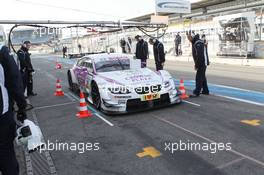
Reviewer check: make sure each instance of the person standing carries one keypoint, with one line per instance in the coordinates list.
(26, 67)
(64, 51)
(142, 52)
(123, 45)
(205, 49)
(177, 42)
(201, 62)
(129, 44)
(80, 48)
(159, 54)
(11, 90)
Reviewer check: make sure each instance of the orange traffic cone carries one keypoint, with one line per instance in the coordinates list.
(83, 113)
(182, 90)
(59, 91)
(58, 65)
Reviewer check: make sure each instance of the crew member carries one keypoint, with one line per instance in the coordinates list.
(11, 90)
(129, 44)
(177, 42)
(142, 52)
(201, 62)
(26, 67)
(80, 48)
(64, 51)
(159, 54)
(123, 45)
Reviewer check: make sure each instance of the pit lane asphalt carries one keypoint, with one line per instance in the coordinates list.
(214, 119)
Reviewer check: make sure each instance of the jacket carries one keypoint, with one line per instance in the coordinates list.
(199, 54)
(13, 80)
(158, 50)
(142, 50)
(24, 60)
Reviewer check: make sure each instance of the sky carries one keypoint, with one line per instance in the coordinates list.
(78, 10)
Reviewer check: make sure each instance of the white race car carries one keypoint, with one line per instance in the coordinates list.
(116, 83)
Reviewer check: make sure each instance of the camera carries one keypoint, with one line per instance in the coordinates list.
(29, 136)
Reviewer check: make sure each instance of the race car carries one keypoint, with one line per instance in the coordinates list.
(115, 83)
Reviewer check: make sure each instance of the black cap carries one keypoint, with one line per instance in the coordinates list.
(27, 42)
(137, 37)
(151, 40)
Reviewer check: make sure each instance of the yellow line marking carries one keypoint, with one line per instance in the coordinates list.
(251, 122)
(149, 151)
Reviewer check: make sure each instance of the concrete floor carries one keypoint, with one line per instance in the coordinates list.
(121, 138)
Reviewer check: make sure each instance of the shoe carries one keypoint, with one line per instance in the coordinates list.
(32, 94)
(194, 96)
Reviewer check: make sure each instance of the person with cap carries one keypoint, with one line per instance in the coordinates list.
(26, 67)
(11, 90)
(177, 42)
(159, 54)
(142, 52)
(201, 62)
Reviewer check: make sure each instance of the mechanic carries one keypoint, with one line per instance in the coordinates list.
(26, 68)
(80, 48)
(159, 54)
(123, 45)
(177, 42)
(142, 52)
(11, 90)
(201, 62)
(205, 47)
(129, 44)
(64, 51)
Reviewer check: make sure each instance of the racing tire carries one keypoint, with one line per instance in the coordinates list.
(95, 94)
(72, 86)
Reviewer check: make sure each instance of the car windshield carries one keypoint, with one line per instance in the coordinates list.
(112, 65)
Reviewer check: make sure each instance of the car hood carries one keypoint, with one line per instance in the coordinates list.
(137, 77)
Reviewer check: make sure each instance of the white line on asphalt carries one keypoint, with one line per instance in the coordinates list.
(236, 88)
(106, 121)
(51, 106)
(96, 113)
(195, 104)
(241, 100)
(50, 76)
(73, 96)
(209, 140)
(70, 97)
(230, 163)
(231, 87)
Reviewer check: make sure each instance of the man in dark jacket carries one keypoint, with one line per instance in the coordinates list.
(123, 45)
(177, 42)
(11, 90)
(64, 51)
(159, 54)
(201, 62)
(26, 67)
(142, 52)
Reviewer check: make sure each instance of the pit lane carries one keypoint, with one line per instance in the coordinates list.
(205, 119)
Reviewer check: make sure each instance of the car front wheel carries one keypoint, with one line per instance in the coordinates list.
(95, 95)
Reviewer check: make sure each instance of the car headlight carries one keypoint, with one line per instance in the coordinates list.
(119, 90)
